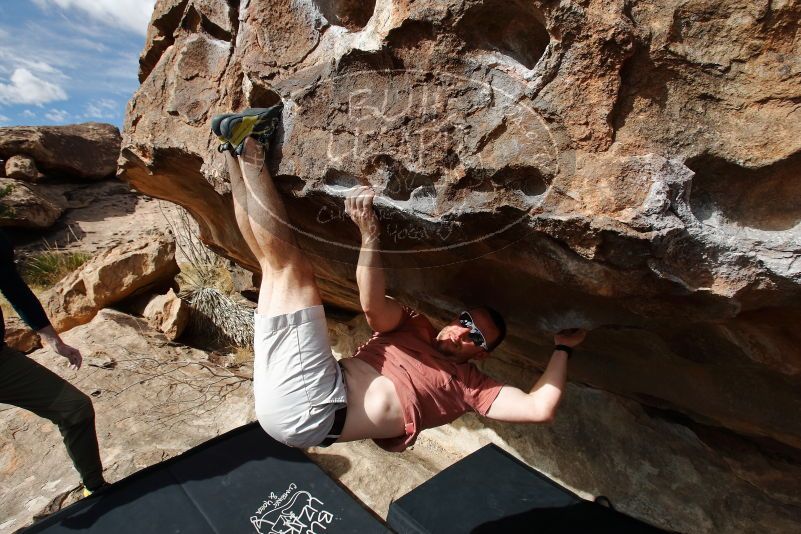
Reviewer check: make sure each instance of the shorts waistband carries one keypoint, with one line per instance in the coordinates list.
(336, 429)
(277, 322)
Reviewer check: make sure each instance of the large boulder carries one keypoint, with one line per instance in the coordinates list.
(26, 205)
(110, 277)
(627, 167)
(85, 151)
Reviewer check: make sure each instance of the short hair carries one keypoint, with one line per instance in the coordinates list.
(500, 324)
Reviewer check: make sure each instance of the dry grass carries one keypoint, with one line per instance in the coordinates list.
(210, 275)
(214, 312)
(42, 270)
(242, 356)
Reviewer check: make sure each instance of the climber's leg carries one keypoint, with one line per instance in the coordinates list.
(239, 194)
(298, 385)
(288, 281)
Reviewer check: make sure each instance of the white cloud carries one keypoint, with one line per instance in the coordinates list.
(57, 115)
(12, 58)
(105, 108)
(4, 119)
(132, 15)
(27, 88)
(38, 66)
(28, 113)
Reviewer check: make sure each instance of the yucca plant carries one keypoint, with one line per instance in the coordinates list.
(207, 285)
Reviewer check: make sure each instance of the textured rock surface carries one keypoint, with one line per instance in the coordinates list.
(88, 151)
(628, 166)
(168, 314)
(141, 385)
(22, 168)
(27, 206)
(108, 278)
(20, 337)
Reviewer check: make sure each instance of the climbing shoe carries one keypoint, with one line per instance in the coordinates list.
(259, 123)
(87, 492)
(215, 128)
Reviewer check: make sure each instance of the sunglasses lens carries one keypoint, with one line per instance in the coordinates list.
(475, 334)
(476, 338)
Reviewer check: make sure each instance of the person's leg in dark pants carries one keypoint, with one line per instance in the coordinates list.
(26, 384)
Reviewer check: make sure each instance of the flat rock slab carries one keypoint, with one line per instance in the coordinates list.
(99, 215)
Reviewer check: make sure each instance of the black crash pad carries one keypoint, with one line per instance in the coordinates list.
(490, 491)
(242, 481)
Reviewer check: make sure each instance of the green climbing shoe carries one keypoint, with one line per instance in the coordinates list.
(260, 123)
(215, 128)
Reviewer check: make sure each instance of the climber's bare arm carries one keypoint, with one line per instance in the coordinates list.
(383, 313)
(538, 405)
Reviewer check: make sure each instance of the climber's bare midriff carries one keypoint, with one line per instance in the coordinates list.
(374, 409)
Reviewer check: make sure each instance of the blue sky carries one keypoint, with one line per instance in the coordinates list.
(69, 61)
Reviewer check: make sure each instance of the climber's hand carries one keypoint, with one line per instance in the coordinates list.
(359, 207)
(570, 337)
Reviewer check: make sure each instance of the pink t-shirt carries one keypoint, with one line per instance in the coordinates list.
(433, 391)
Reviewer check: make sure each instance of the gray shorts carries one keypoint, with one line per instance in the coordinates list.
(297, 382)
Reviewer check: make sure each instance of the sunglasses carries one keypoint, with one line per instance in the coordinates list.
(475, 334)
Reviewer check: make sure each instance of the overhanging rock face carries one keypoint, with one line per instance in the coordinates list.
(631, 167)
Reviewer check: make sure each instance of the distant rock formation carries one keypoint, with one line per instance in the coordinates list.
(631, 167)
(85, 151)
(27, 205)
(21, 167)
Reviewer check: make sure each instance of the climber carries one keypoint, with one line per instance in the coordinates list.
(407, 377)
(29, 385)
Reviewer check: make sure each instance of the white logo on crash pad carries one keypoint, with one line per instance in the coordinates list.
(294, 511)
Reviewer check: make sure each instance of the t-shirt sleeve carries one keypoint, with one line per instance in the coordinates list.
(480, 390)
(415, 322)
